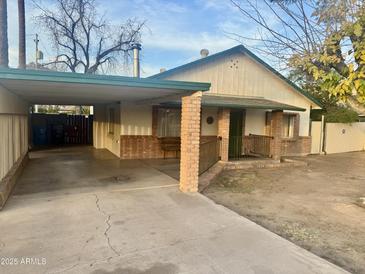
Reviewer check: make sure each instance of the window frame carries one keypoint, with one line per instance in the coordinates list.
(292, 120)
(159, 122)
(111, 121)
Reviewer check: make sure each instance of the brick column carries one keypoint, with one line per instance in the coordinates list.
(223, 131)
(276, 131)
(190, 142)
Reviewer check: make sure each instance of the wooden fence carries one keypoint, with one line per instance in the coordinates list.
(258, 145)
(209, 154)
(61, 129)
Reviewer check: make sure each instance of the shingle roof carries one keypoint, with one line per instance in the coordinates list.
(239, 49)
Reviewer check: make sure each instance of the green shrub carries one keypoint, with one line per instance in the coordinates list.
(341, 115)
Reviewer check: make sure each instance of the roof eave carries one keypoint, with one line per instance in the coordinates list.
(257, 107)
(233, 106)
(77, 78)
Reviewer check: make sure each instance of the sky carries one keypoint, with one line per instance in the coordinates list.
(176, 30)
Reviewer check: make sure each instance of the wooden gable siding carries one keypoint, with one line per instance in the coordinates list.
(238, 74)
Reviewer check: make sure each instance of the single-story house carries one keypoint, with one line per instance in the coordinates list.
(227, 105)
(246, 95)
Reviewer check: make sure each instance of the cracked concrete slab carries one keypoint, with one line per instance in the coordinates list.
(108, 225)
(145, 230)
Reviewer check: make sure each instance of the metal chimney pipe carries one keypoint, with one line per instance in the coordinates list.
(136, 67)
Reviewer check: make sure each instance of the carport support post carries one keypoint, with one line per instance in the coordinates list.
(190, 142)
(276, 131)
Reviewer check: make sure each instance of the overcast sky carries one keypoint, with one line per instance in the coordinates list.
(177, 30)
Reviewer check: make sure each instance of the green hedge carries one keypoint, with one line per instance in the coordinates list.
(336, 115)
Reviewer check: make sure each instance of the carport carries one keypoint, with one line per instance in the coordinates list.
(19, 89)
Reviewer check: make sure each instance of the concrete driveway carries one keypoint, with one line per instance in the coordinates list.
(143, 225)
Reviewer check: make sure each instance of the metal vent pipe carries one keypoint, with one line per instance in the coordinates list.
(136, 66)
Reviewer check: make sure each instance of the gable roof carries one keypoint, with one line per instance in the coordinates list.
(236, 49)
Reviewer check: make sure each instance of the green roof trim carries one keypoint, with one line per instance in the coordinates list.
(240, 49)
(91, 79)
(241, 102)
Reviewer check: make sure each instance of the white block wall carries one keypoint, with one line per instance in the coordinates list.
(13, 130)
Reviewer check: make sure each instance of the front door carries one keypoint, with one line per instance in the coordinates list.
(235, 134)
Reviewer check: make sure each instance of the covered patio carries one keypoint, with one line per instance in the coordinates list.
(245, 126)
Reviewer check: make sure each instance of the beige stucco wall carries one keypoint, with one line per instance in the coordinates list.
(316, 137)
(344, 137)
(13, 130)
(238, 74)
(102, 138)
(11, 103)
(255, 121)
(209, 129)
(136, 119)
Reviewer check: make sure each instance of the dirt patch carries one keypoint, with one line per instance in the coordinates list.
(318, 207)
(245, 183)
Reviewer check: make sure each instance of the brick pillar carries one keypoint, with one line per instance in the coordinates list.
(223, 131)
(276, 131)
(190, 142)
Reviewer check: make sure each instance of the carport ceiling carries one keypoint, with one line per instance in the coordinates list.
(49, 87)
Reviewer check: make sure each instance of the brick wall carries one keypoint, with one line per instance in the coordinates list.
(142, 147)
(148, 147)
(296, 146)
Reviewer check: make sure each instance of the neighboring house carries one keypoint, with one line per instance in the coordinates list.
(247, 93)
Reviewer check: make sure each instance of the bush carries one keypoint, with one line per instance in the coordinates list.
(341, 115)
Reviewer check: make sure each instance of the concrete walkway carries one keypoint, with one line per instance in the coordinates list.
(153, 228)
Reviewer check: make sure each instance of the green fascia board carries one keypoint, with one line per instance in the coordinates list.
(241, 106)
(241, 49)
(272, 107)
(78, 78)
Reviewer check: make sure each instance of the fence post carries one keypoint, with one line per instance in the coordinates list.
(322, 141)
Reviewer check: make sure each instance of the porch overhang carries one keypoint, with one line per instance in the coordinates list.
(64, 88)
(241, 103)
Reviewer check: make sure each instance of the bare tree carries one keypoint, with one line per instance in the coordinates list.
(323, 40)
(22, 46)
(282, 30)
(85, 41)
(4, 55)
